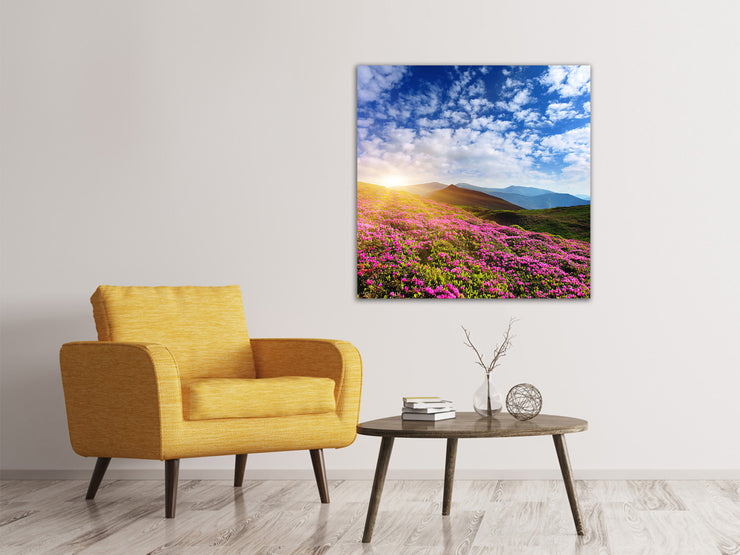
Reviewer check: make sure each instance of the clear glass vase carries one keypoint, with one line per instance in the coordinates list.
(487, 401)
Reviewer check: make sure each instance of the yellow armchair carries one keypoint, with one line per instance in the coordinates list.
(175, 375)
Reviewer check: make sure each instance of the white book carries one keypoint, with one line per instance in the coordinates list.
(426, 410)
(422, 399)
(434, 417)
(442, 404)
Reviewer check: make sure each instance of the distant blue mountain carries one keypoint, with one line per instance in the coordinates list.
(526, 191)
(530, 198)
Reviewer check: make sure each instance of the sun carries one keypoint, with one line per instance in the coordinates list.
(393, 181)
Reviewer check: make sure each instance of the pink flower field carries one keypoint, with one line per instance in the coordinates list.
(411, 247)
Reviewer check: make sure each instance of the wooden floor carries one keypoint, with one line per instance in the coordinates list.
(507, 517)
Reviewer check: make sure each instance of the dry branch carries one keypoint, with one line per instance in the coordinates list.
(498, 352)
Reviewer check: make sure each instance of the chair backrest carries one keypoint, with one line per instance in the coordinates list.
(203, 327)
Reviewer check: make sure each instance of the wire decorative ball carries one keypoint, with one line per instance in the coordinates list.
(524, 401)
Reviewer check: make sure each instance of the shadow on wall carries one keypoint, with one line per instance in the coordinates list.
(33, 420)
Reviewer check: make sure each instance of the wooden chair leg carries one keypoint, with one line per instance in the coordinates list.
(319, 470)
(241, 463)
(171, 471)
(100, 467)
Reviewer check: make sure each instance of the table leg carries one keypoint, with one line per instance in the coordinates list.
(386, 446)
(564, 461)
(449, 474)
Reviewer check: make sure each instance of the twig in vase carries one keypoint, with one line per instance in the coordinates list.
(498, 352)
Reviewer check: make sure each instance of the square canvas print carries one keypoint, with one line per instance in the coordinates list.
(473, 182)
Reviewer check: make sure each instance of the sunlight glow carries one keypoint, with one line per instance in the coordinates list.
(393, 181)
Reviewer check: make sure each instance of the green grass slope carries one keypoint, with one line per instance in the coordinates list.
(569, 222)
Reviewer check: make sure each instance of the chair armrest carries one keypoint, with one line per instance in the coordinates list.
(122, 399)
(320, 358)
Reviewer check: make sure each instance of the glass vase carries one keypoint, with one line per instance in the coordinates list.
(487, 401)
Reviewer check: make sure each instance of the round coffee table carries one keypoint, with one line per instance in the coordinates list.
(467, 425)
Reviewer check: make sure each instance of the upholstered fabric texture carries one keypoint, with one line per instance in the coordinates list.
(262, 398)
(127, 394)
(203, 327)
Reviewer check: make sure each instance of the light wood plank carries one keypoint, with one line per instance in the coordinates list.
(633, 530)
(192, 527)
(265, 517)
(476, 494)
(655, 495)
(10, 489)
(722, 520)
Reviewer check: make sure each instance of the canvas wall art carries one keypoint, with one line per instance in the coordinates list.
(473, 182)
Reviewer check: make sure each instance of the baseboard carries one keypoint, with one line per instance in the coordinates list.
(367, 474)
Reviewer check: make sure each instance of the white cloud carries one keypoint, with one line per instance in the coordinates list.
(477, 88)
(561, 110)
(578, 169)
(454, 134)
(460, 85)
(400, 138)
(567, 81)
(575, 147)
(481, 122)
(468, 93)
(510, 87)
(422, 103)
(500, 125)
(578, 139)
(401, 112)
(587, 107)
(478, 154)
(410, 108)
(520, 98)
(474, 105)
(374, 81)
(456, 117)
(527, 116)
(426, 103)
(484, 156)
(426, 122)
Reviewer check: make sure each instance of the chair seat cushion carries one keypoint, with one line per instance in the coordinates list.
(259, 397)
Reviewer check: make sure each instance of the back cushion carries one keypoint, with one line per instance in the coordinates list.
(203, 327)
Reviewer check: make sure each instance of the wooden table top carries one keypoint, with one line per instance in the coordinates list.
(470, 424)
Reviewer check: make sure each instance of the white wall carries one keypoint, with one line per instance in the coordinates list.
(213, 143)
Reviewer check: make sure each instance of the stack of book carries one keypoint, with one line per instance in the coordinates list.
(427, 408)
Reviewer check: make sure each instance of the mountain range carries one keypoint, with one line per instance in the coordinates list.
(529, 198)
(468, 197)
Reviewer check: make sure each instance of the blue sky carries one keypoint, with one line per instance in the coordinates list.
(491, 126)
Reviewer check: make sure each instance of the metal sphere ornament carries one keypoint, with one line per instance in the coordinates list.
(524, 401)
